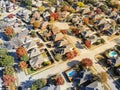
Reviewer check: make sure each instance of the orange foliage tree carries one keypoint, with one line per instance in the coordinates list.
(86, 20)
(87, 62)
(71, 54)
(104, 77)
(37, 24)
(8, 80)
(60, 80)
(23, 65)
(21, 51)
(88, 43)
(55, 15)
(9, 31)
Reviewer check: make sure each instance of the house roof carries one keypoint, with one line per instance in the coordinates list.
(59, 36)
(36, 61)
(64, 42)
(26, 40)
(16, 42)
(86, 10)
(30, 45)
(23, 34)
(34, 52)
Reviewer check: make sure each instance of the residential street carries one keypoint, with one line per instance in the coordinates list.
(59, 68)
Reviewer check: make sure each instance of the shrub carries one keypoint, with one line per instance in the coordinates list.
(33, 33)
(45, 63)
(102, 40)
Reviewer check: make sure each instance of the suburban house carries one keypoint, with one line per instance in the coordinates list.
(37, 61)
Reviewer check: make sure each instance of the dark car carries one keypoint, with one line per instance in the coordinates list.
(117, 70)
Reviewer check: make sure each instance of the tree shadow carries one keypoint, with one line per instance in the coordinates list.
(72, 63)
(13, 54)
(27, 84)
(3, 36)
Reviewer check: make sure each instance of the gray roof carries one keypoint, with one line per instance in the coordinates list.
(34, 52)
(23, 34)
(36, 61)
(30, 45)
(51, 87)
(16, 42)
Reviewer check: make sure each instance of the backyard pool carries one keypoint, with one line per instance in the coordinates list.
(72, 73)
(113, 54)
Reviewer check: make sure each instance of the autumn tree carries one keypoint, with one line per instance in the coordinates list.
(103, 77)
(21, 51)
(23, 65)
(36, 24)
(9, 70)
(8, 80)
(60, 80)
(86, 20)
(88, 43)
(9, 31)
(55, 15)
(71, 54)
(87, 62)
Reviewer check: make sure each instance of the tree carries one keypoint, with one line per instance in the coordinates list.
(10, 32)
(118, 21)
(103, 8)
(24, 58)
(88, 43)
(41, 8)
(86, 20)
(28, 3)
(60, 80)
(3, 51)
(33, 87)
(33, 33)
(9, 70)
(21, 51)
(81, 4)
(98, 11)
(7, 60)
(9, 80)
(58, 57)
(55, 15)
(87, 62)
(71, 54)
(23, 65)
(36, 24)
(103, 77)
(39, 83)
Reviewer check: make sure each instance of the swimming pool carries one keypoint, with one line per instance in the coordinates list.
(72, 73)
(113, 54)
